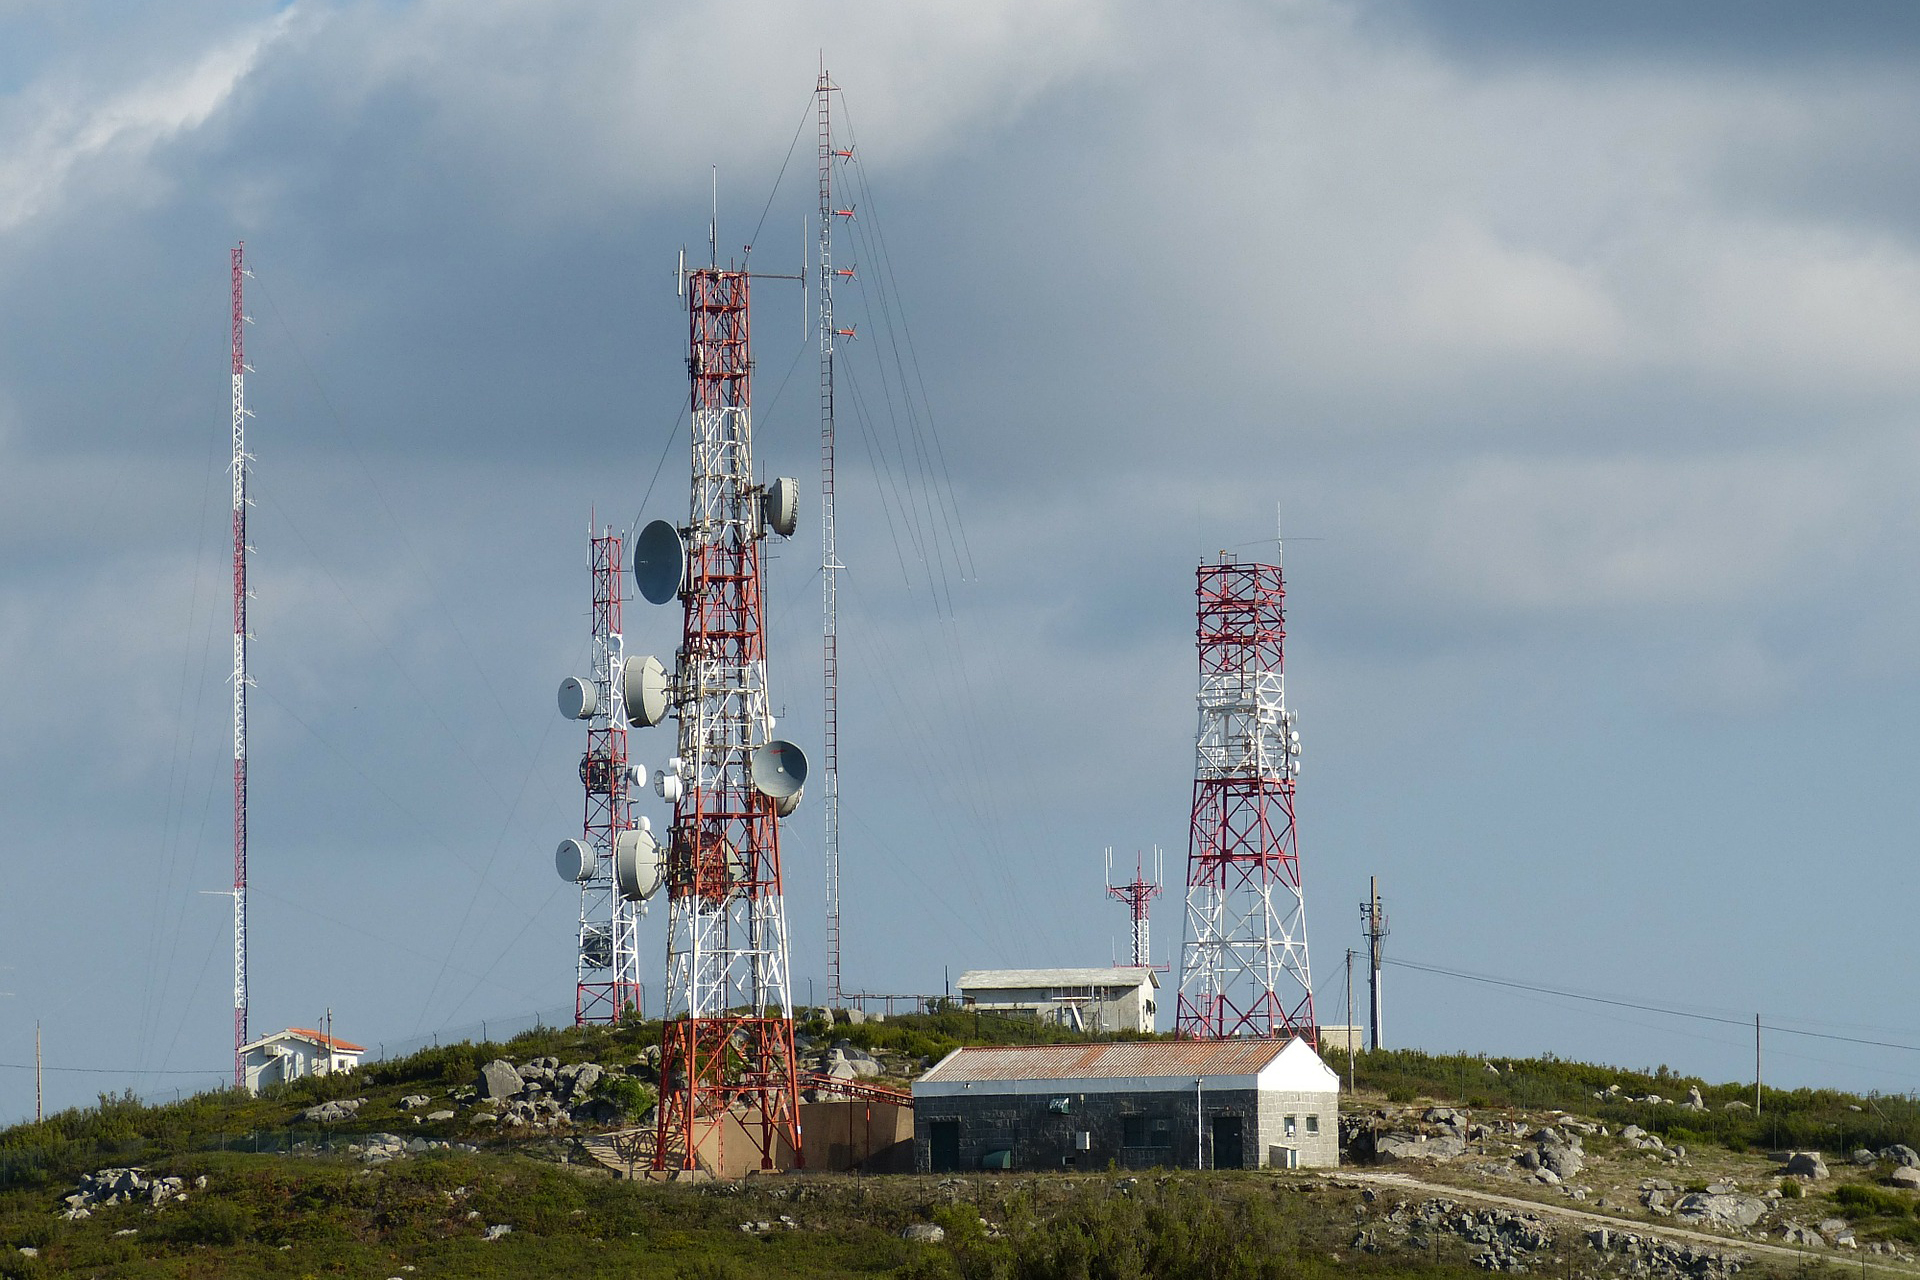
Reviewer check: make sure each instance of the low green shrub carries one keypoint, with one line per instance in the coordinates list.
(1862, 1200)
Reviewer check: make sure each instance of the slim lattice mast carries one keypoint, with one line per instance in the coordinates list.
(1243, 971)
(240, 680)
(829, 551)
(1138, 895)
(728, 1040)
(607, 976)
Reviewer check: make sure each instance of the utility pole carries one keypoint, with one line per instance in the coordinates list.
(37, 1114)
(1376, 924)
(1756, 1065)
(1349, 1021)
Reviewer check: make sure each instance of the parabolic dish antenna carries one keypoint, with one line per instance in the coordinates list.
(636, 865)
(778, 769)
(578, 699)
(643, 683)
(780, 505)
(576, 861)
(659, 562)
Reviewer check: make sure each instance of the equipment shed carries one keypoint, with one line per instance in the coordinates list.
(1229, 1104)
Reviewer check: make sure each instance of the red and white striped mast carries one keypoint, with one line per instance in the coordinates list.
(240, 679)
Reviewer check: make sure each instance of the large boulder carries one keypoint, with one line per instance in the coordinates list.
(332, 1112)
(1905, 1176)
(1417, 1146)
(1694, 1101)
(1720, 1210)
(498, 1080)
(1901, 1154)
(1807, 1164)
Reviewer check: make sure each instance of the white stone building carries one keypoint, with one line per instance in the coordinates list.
(1112, 999)
(293, 1053)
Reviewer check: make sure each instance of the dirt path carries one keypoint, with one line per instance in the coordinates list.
(1407, 1182)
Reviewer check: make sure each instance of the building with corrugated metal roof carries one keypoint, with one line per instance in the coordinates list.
(1192, 1104)
(1119, 998)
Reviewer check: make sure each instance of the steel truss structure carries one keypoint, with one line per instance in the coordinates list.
(1138, 895)
(728, 1039)
(241, 681)
(607, 983)
(1243, 970)
(830, 565)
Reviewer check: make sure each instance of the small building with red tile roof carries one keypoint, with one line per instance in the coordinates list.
(294, 1053)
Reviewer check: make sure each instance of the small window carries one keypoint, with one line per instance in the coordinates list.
(1133, 1131)
(1313, 1124)
(1291, 1124)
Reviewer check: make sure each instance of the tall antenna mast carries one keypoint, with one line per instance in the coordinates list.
(727, 1053)
(1138, 895)
(240, 678)
(829, 551)
(607, 961)
(1243, 970)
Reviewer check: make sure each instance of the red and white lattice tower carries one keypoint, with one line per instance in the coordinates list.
(1243, 971)
(1137, 895)
(240, 678)
(607, 977)
(728, 1039)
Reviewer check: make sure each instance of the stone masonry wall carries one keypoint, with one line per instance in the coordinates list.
(1041, 1138)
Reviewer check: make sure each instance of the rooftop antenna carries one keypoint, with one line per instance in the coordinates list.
(241, 680)
(713, 223)
(1138, 895)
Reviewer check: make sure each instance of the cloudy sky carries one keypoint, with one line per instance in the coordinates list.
(1575, 349)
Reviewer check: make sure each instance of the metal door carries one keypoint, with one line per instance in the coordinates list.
(1228, 1152)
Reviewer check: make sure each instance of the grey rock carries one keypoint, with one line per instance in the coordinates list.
(414, 1101)
(1694, 1101)
(1633, 1133)
(1417, 1146)
(498, 1080)
(1832, 1226)
(1905, 1176)
(1807, 1164)
(1735, 1105)
(921, 1232)
(435, 1117)
(1863, 1157)
(332, 1112)
(1901, 1154)
(497, 1230)
(1722, 1211)
(28, 1251)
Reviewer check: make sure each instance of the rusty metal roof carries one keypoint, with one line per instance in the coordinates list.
(1142, 1058)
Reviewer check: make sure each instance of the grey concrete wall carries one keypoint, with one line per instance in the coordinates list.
(1042, 1139)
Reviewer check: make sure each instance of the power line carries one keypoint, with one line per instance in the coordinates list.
(1619, 1003)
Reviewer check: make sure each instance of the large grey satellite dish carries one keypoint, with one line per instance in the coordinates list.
(643, 684)
(780, 505)
(778, 769)
(576, 861)
(659, 562)
(636, 865)
(578, 699)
